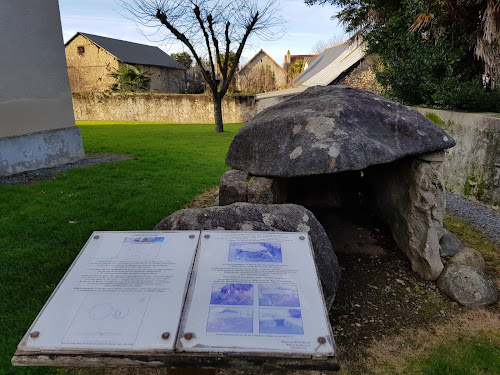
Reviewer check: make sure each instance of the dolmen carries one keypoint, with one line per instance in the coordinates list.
(342, 147)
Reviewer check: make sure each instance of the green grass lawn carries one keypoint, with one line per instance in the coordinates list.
(44, 225)
(464, 356)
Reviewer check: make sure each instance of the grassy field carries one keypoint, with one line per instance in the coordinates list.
(44, 225)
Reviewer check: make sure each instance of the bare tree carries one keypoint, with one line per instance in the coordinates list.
(321, 45)
(210, 29)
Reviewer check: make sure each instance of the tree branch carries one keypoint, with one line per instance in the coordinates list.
(214, 82)
(163, 19)
(228, 43)
(248, 30)
(216, 45)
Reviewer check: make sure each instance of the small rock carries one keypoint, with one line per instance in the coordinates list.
(469, 257)
(450, 244)
(468, 286)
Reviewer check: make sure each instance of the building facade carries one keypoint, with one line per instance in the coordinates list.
(92, 58)
(261, 74)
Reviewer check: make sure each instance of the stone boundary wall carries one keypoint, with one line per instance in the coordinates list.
(170, 108)
(472, 167)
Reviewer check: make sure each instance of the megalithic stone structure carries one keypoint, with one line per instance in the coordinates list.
(37, 125)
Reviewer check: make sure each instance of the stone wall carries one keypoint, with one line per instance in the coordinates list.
(363, 76)
(165, 80)
(472, 167)
(172, 108)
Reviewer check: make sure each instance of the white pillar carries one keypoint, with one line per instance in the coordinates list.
(37, 125)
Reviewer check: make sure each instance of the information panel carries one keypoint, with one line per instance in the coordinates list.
(125, 291)
(255, 292)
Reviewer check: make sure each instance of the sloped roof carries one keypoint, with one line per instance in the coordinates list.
(308, 61)
(257, 54)
(330, 64)
(133, 53)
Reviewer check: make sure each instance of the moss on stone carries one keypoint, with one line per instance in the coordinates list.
(434, 118)
(469, 185)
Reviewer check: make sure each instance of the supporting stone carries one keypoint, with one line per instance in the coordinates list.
(236, 186)
(233, 187)
(411, 197)
(40, 150)
(265, 190)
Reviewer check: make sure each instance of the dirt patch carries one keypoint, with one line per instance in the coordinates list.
(208, 198)
(379, 296)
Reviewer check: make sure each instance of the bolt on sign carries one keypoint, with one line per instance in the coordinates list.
(186, 299)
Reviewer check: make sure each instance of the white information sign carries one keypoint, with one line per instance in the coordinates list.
(255, 292)
(123, 292)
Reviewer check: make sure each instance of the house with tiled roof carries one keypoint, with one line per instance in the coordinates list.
(261, 74)
(91, 58)
(290, 59)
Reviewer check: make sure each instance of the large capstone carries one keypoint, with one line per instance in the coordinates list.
(259, 217)
(332, 129)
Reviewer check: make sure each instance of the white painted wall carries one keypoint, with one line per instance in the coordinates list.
(34, 88)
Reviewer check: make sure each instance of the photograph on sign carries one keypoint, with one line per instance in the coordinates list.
(281, 321)
(140, 248)
(232, 294)
(230, 319)
(255, 292)
(279, 295)
(254, 252)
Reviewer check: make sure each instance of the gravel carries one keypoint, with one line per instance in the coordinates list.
(42, 174)
(480, 217)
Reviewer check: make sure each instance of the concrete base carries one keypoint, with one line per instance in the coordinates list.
(40, 150)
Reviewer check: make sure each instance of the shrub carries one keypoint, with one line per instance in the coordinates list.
(467, 96)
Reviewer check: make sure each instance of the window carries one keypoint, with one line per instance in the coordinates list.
(81, 50)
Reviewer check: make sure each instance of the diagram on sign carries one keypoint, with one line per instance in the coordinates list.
(108, 319)
(255, 252)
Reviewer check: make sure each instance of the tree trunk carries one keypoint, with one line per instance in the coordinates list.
(219, 126)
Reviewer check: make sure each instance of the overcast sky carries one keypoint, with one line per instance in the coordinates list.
(305, 26)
